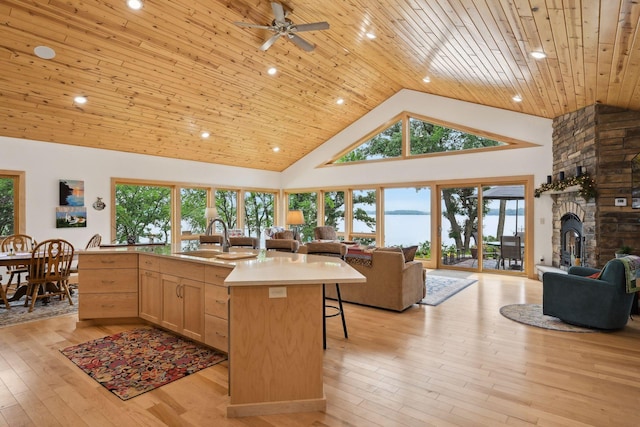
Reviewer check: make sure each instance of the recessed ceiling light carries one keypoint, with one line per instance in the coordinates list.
(205, 134)
(539, 55)
(134, 4)
(340, 101)
(517, 98)
(80, 99)
(272, 71)
(370, 36)
(44, 52)
(426, 79)
(276, 149)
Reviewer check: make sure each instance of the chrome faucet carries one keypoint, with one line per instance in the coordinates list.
(225, 236)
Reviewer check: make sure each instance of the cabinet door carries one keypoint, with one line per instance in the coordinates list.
(150, 296)
(192, 294)
(172, 307)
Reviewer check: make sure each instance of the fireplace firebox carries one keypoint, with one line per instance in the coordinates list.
(572, 245)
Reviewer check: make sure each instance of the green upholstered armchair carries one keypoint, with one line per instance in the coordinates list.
(580, 300)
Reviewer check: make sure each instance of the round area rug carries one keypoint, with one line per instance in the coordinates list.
(531, 314)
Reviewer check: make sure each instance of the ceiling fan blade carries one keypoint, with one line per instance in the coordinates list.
(270, 42)
(316, 26)
(244, 24)
(302, 43)
(278, 12)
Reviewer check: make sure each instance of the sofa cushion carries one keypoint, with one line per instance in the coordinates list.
(409, 253)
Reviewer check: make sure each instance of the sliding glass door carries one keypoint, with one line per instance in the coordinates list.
(483, 227)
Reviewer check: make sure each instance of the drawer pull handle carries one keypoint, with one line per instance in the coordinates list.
(219, 301)
(107, 305)
(220, 335)
(108, 282)
(104, 261)
(221, 277)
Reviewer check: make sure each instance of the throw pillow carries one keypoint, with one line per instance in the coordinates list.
(595, 275)
(409, 253)
(286, 234)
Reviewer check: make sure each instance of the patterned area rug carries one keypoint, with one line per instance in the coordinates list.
(20, 314)
(441, 288)
(133, 362)
(531, 314)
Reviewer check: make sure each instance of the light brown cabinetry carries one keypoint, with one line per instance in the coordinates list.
(182, 285)
(108, 286)
(150, 288)
(216, 308)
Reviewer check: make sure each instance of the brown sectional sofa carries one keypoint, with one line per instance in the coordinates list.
(392, 283)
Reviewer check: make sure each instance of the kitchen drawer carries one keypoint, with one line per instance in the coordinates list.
(216, 332)
(100, 306)
(150, 263)
(91, 261)
(107, 280)
(216, 275)
(216, 301)
(188, 270)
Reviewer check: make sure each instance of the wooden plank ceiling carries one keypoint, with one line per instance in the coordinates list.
(157, 77)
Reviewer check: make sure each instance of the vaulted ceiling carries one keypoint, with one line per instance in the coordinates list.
(157, 77)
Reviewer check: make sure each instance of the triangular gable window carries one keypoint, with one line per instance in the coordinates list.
(411, 136)
(427, 138)
(384, 145)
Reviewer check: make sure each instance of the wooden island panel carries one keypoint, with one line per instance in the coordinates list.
(276, 350)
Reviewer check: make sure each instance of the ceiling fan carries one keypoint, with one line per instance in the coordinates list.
(282, 26)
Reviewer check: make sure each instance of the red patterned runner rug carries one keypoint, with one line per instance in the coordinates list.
(133, 362)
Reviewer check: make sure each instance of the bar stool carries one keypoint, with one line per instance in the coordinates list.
(333, 249)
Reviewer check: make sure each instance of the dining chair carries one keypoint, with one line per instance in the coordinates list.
(93, 242)
(17, 243)
(510, 249)
(49, 271)
(333, 249)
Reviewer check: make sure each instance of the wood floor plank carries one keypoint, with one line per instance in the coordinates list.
(457, 364)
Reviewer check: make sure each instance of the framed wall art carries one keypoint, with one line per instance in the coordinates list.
(71, 217)
(71, 192)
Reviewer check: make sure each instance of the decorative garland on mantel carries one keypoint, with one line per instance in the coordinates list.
(587, 186)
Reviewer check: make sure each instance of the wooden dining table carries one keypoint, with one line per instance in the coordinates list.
(14, 260)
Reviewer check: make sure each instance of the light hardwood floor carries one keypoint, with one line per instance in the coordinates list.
(460, 363)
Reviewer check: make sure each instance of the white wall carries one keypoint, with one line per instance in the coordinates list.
(46, 164)
(536, 161)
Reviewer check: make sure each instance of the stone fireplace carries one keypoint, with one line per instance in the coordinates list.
(601, 141)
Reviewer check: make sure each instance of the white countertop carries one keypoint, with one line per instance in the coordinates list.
(265, 268)
(280, 268)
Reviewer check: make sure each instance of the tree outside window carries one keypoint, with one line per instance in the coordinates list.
(143, 213)
(7, 207)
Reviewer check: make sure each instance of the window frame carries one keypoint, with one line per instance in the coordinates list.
(19, 199)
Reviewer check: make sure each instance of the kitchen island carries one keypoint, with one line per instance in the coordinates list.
(264, 309)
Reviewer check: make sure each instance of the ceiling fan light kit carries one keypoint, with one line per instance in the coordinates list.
(281, 26)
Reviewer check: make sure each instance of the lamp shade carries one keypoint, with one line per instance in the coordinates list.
(211, 213)
(295, 218)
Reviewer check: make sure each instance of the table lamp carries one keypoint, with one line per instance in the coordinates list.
(295, 218)
(210, 214)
